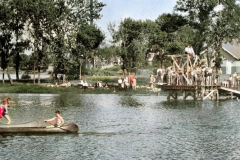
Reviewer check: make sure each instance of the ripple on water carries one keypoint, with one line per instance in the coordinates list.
(126, 127)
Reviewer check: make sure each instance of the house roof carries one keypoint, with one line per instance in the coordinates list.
(232, 49)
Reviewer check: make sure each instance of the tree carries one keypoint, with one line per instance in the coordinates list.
(5, 37)
(17, 24)
(50, 25)
(25, 62)
(43, 16)
(5, 50)
(95, 8)
(215, 22)
(88, 38)
(134, 38)
(76, 14)
(172, 25)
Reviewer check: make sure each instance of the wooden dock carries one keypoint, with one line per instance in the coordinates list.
(194, 91)
(204, 86)
(199, 92)
(230, 91)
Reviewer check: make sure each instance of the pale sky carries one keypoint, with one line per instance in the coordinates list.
(117, 10)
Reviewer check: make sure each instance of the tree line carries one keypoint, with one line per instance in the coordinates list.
(62, 32)
(203, 24)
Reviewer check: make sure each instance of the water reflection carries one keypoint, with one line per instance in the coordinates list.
(181, 104)
(129, 101)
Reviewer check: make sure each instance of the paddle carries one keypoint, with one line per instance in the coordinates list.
(71, 127)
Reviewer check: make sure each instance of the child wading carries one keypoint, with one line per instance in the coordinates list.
(4, 109)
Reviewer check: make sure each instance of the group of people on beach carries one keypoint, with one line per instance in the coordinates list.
(98, 84)
(83, 83)
(56, 121)
(127, 82)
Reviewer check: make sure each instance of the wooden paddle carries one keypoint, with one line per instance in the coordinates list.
(71, 127)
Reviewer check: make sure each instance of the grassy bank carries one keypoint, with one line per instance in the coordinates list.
(113, 80)
(43, 89)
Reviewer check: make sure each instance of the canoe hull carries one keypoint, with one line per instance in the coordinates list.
(32, 130)
(37, 127)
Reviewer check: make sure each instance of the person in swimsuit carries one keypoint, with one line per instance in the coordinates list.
(56, 121)
(5, 105)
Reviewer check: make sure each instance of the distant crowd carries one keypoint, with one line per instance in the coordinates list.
(198, 75)
(233, 81)
(187, 72)
(193, 73)
(127, 82)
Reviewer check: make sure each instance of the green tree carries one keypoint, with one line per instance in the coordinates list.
(43, 23)
(17, 24)
(25, 64)
(5, 50)
(172, 25)
(215, 22)
(170, 22)
(134, 38)
(88, 39)
(6, 46)
(65, 47)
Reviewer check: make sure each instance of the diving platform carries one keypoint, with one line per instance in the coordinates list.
(187, 77)
(195, 91)
(199, 92)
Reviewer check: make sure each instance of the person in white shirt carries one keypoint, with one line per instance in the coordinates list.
(189, 51)
(160, 75)
(120, 82)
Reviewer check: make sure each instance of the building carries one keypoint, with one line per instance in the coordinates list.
(231, 61)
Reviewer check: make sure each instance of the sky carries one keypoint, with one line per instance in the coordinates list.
(117, 10)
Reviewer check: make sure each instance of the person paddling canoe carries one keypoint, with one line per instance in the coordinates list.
(56, 121)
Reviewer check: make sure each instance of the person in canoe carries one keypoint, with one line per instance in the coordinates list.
(56, 121)
(4, 109)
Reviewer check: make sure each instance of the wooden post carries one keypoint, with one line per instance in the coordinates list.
(184, 95)
(176, 95)
(168, 97)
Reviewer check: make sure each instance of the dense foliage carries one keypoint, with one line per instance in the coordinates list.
(51, 29)
(63, 33)
(203, 24)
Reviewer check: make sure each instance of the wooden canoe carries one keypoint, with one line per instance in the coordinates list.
(38, 127)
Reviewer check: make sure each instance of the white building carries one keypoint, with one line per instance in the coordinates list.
(231, 54)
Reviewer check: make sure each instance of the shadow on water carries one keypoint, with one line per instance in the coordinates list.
(181, 104)
(99, 133)
(65, 100)
(128, 101)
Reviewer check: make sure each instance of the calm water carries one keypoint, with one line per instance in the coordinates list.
(118, 127)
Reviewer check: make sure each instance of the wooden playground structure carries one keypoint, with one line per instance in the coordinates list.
(199, 89)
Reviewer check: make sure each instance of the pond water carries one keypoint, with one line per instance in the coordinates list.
(125, 127)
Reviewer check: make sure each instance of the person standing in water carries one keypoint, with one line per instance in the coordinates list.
(5, 106)
(56, 121)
